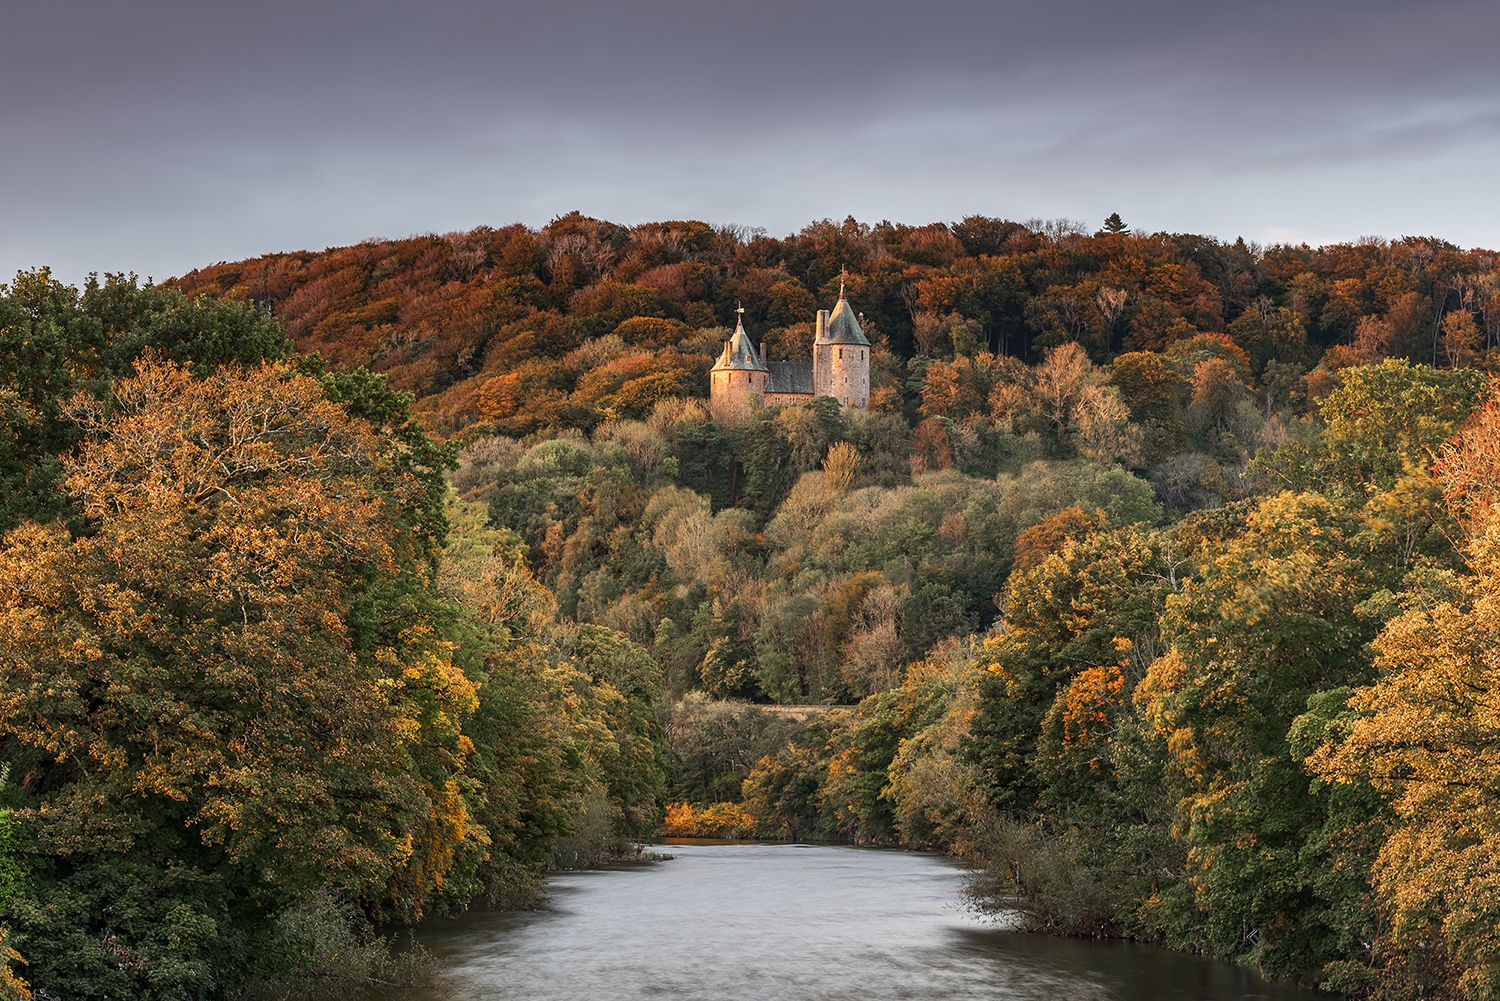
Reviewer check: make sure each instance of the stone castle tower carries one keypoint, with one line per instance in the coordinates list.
(739, 370)
(841, 356)
(840, 367)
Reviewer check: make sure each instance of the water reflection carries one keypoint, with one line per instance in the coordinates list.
(737, 921)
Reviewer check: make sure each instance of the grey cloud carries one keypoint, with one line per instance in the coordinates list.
(163, 135)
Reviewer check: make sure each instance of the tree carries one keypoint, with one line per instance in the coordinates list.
(713, 746)
(962, 388)
(1114, 224)
(1425, 736)
(1268, 335)
(1460, 340)
(1111, 302)
(981, 235)
(626, 683)
(54, 340)
(1271, 623)
(783, 791)
(1216, 388)
(1468, 467)
(1151, 388)
(44, 340)
(1381, 420)
(863, 747)
(1070, 400)
(1050, 535)
(530, 768)
(1121, 578)
(197, 333)
(231, 674)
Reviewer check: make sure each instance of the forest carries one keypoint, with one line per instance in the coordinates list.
(349, 588)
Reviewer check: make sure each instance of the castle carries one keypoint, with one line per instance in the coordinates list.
(840, 367)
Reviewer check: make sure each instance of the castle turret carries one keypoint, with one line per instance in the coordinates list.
(841, 356)
(740, 370)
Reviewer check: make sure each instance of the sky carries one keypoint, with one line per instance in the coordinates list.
(162, 135)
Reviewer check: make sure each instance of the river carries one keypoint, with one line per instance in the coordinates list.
(742, 922)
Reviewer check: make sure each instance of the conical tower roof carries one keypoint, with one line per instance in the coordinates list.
(843, 325)
(739, 354)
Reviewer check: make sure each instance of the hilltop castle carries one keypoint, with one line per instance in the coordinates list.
(840, 367)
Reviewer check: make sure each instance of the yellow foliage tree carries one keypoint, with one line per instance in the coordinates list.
(1427, 735)
(229, 670)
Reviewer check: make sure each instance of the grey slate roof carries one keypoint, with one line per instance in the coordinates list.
(739, 354)
(790, 377)
(843, 326)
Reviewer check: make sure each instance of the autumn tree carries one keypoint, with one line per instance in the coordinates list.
(55, 339)
(229, 673)
(1271, 623)
(854, 792)
(783, 792)
(1424, 735)
(1267, 333)
(1121, 577)
(1381, 420)
(1468, 464)
(1072, 402)
(530, 770)
(1460, 338)
(962, 388)
(1152, 389)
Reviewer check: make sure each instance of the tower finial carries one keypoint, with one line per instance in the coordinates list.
(843, 274)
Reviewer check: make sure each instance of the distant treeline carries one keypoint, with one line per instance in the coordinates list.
(516, 328)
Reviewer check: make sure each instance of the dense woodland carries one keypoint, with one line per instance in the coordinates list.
(343, 589)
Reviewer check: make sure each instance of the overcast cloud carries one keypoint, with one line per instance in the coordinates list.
(159, 136)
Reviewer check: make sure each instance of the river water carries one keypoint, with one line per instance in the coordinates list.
(742, 922)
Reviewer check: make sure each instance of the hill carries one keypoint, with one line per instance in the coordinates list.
(515, 328)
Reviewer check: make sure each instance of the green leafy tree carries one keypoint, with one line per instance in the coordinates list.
(55, 341)
(627, 682)
(204, 679)
(713, 746)
(784, 792)
(1379, 421)
(1271, 623)
(862, 749)
(1121, 579)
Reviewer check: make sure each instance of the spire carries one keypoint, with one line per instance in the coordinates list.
(740, 353)
(843, 274)
(843, 327)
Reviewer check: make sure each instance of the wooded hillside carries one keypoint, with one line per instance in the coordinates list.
(474, 323)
